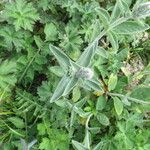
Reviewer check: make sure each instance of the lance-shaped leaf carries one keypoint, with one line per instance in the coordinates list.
(142, 11)
(60, 88)
(93, 84)
(61, 57)
(73, 81)
(78, 145)
(130, 27)
(87, 55)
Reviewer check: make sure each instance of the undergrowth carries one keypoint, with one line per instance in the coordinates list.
(74, 74)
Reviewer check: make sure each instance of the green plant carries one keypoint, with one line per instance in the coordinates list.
(74, 74)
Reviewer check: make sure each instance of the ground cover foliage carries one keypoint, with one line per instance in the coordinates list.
(74, 74)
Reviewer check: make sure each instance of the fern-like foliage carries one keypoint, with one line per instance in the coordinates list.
(22, 14)
(26, 102)
(7, 75)
(11, 38)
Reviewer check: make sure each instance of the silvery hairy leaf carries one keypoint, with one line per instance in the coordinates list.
(87, 55)
(60, 88)
(61, 57)
(141, 11)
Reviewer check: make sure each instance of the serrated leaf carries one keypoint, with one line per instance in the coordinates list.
(103, 119)
(130, 27)
(18, 122)
(118, 105)
(61, 57)
(112, 82)
(7, 75)
(22, 14)
(101, 103)
(50, 31)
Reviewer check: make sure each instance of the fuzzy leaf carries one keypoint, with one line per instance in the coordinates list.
(87, 55)
(61, 57)
(112, 82)
(118, 105)
(78, 145)
(60, 88)
(130, 27)
(103, 119)
(101, 102)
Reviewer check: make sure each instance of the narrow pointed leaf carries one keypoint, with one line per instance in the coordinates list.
(87, 55)
(93, 84)
(78, 146)
(60, 88)
(61, 57)
(130, 27)
(87, 139)
(73, 81)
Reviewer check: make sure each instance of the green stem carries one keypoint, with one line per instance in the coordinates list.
(27, 67)
(130, 98)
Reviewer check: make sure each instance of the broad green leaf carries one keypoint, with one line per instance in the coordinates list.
(112, 82)
(118, 105)
(60, 88)
(19, 123)
(101, 103)
(87, 55)
(130, 27)
(61, 57)
(70, 85)
(103, 119)
(50, 31)
(78, 146)
(76, 94)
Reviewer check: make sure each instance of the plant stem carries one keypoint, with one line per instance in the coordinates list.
(130, 98)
